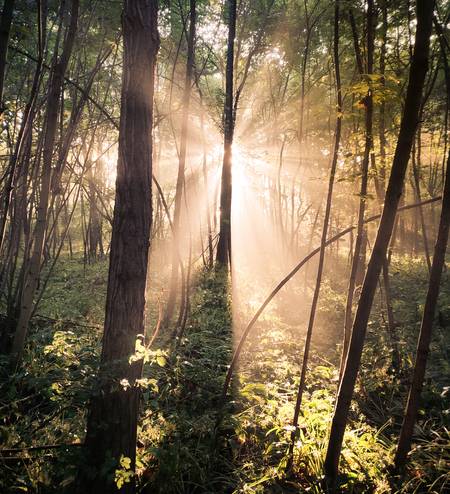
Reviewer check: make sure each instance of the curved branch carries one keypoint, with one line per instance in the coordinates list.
(288, 277)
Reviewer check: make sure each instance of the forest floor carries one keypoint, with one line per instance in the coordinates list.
(179, 450)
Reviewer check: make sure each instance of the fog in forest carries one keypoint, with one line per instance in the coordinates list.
(223, 246)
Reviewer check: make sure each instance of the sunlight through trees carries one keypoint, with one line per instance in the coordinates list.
(223, 246)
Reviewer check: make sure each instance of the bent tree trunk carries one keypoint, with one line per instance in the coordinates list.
(112, 422)
(418, 69)
(224, 244)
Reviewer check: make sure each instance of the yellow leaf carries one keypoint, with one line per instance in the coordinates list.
(125, 462)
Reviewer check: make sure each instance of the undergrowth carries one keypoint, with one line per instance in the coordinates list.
(179, 448)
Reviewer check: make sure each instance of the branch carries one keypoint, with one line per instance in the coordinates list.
(283, 282)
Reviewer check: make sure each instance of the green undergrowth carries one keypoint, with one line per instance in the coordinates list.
(179, 448)
(266, 390)
(44, 403)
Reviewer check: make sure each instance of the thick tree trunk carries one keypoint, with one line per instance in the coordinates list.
(32, 273)
(223, 256)
(112, 423)
(418, 69)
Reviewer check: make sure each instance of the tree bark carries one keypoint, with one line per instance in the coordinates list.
(418, 70)
(112, 422)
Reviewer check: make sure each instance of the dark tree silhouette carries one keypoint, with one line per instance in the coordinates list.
(224, 244)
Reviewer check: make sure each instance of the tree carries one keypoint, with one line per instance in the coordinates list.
(418, 70)
(112, 422)
(361, 235)
(224, 245)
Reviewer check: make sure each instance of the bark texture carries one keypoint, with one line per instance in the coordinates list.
(112, 423)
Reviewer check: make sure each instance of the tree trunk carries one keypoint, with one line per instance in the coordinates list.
(418, 69)
(206, 188)
(323, 241)
(223, 256)
(95, 224)
(382, 116)
(112, 422)
(391, 328)
(416, 166)
(357, 269)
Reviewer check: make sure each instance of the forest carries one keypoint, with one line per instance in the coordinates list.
(223, 246)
